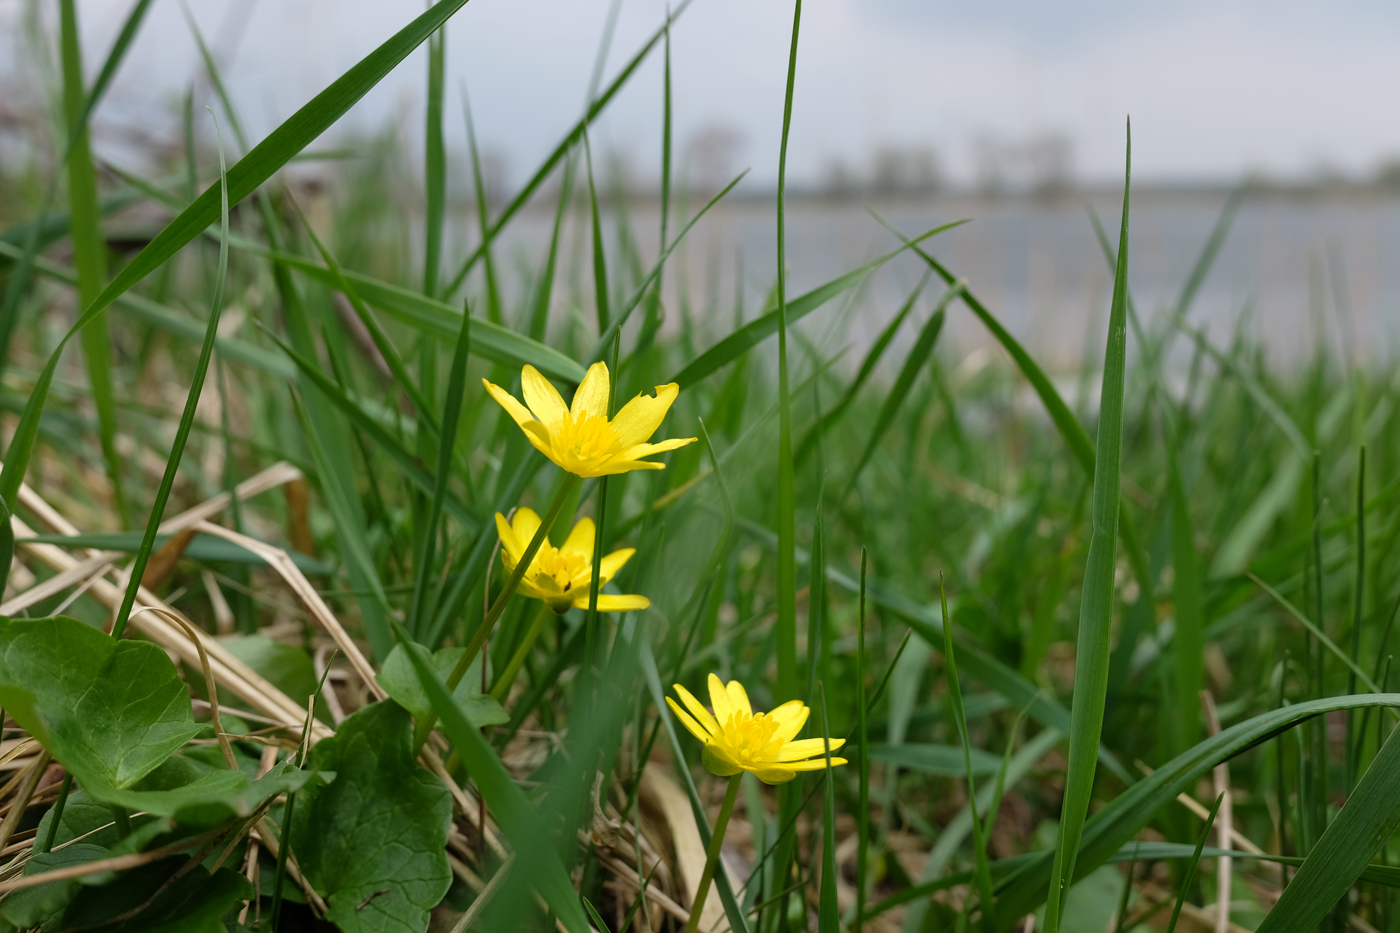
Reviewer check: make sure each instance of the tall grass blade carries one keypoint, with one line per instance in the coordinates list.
(434, 164)
(483, 213)
(1369, 818)
(1192, 865)
(828, 910)
(755, 332)
(90, 256)
(247, 174)
(182, 433)
(1096, 608)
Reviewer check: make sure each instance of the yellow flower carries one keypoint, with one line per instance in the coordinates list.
(560, 575)
(738, 739)
(581, 439)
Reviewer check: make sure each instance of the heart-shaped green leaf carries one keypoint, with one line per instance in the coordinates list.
(401, 683)
(111, 711)
(372, 843)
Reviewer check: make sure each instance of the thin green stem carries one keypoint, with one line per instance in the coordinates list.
(507, 676)
(493, 614)
(712, 856)
(58, 812)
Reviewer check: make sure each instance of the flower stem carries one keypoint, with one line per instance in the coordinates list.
(507, 677)
(483, 631)
(712, 856)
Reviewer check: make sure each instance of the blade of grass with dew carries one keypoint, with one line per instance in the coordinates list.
(979, 841)
(247, 174)
(1096, 608)
(182, 433)
(35, 238)
(597, 106)
(1192, 865)
(90, 256)
(755, 332)
(509, 806)
(919, 356)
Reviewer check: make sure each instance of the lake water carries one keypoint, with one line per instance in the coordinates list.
(1301, 268)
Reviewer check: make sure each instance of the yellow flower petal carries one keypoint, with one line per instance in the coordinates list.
(519, 412)
(612, 563)
(701, 714)
(592, 395)
(774, 774)
(816, 764)
(807, 748)
(636, 451)
(640, 418)
(792, 722)
(538, 435)
(738, 697)
(580, 541)
(525, 524)
(614, 467)
(719, 699)
(511, 546)
(690, 724)
(614, 602)
(540, 395)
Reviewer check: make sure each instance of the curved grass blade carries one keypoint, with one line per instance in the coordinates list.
(756, 331)
(384, 440)
(1192, 865)
(182, 433)
(828, 910)
(509, 805)
(1125, 815)
(1369, 818)
(918, 356)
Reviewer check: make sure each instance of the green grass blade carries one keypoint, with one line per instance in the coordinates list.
(1191, 866)
(493, 295)
(919, 356)
(1369, 818)
(90, 256)
(828, 910)
(867, 367)
(1187, 641)
(1096, 608)
(434, 164)
(182, 433)
(544, 283)
(979, 841)
(247, 174)
(600, 257)
(384, 441)
(755, 332)
(19, 277)
(575, 134)
(510, 808)
(420, 611)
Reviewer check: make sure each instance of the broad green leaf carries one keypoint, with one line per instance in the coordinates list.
(196, 796)
(401, 682)
(111, 711)
(942, 760)
(194, 903)
(372, 842)
(517, 818)
(287, 667)
(755, 332)
(1369, 818)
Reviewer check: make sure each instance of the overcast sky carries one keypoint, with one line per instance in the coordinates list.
(1215, 89)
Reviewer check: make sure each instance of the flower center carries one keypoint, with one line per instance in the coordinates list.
(750, 738)
(562, 568)
(588, 437)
